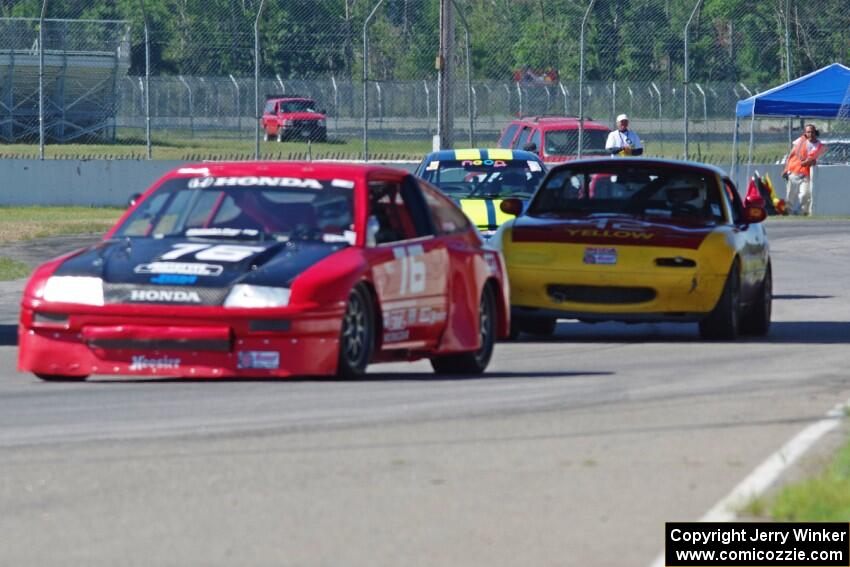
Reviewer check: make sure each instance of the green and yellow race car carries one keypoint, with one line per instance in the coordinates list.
(637, 240)
(480, 179)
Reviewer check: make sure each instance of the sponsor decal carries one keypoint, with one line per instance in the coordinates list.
(222, 231)
(343, 183)
(174, 279)
(267, 359)
(194, 171)
(142, 362)
(596, 233)
(533, 166)
(480, 162)
(433, 166)
(183, 268)
(165, 296)
(606, 256)
(396, 336)
(252, 181)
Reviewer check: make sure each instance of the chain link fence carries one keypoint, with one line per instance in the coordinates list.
(193, 81)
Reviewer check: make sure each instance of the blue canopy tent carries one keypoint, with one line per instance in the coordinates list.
(819, 94)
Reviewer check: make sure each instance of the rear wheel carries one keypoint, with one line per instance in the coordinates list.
(757, 321)
(357, 338)
(266, 136)
(724, 320)
(280, 134)
(60, 377)
(473, 362)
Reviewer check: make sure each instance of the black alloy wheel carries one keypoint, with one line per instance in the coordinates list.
(357, 338)
(474, 362)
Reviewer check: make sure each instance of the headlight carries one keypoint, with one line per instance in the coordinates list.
(74, 289)
(244, 295)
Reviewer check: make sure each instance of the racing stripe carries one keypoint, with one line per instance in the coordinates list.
(500, 216)
(467, 154)
(500, 154)
(476, 210)
(491, 212)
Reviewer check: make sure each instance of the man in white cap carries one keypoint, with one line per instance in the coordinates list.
(622, 141)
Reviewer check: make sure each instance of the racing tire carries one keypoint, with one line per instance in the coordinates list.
(357, 337)
(59, 377)
(473, 362)
(279, 136)
(757, 321)
(266, 136)
(723, 323)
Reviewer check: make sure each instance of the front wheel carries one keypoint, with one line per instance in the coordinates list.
(280, 134)
(357, 338)
(723, 322)
(757, 321)
(266, 136)
(473, 362)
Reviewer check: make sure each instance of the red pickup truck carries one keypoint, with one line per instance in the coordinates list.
(555, 138)
(293, 118)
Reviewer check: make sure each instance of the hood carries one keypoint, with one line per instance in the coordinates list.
(611, 231)
(189, 271)
(484, 212)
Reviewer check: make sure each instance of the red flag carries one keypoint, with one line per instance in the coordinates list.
(753, 194)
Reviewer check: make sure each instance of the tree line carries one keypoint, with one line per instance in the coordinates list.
(627, 40)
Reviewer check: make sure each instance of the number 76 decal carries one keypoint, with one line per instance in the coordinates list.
(413, 269)
(217, 253)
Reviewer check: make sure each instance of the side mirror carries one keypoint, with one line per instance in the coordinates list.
(511, 207)
(754, 214)
(372, 229)
(133, 199)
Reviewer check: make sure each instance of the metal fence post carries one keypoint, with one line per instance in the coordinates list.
(566, 92)
(191, 106)
(238, 114)
(660, 119)
(148, 145)
(257, 115)
(427, 104)
(468, 73)
(336, 102)
(41, 80)
(366, 80)
(685, 82)
(581, 79)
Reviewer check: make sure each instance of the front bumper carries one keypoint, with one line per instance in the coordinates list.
(215, 344)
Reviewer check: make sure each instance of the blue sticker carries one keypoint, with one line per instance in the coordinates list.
(174, 279)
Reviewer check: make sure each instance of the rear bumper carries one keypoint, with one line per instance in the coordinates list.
(304, 344)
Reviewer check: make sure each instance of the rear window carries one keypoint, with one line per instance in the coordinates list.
(565, 142)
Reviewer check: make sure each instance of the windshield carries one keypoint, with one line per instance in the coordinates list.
(298, 106)
(462, 179)
(247, 208)
(565, 142)
(612, 188)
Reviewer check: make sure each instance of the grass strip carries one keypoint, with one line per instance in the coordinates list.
(12, 269)
(822, 498)
(26, 223)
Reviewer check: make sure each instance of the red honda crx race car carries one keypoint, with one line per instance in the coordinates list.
(264, 269)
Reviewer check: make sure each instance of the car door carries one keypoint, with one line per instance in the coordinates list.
(408, 264)
(522, 139)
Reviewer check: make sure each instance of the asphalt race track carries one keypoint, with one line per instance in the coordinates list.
(572, 451)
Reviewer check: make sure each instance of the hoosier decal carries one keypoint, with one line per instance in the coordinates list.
(142, 362)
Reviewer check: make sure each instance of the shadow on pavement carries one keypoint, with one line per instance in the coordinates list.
(9, 335)
(375, 377)
(781, 332)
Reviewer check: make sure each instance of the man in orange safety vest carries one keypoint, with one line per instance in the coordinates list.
(798, 169)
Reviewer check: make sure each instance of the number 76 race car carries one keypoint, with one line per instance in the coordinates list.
(269, 270)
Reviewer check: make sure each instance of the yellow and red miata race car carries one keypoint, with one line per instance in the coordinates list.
(638, 240)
